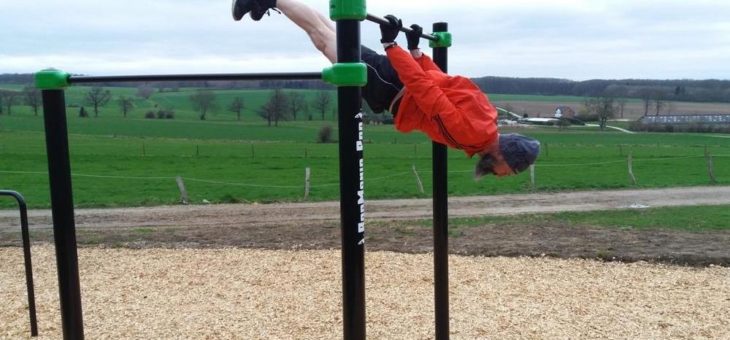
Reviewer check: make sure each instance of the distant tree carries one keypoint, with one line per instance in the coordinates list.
(619, 94)
(563, 123)
(603, 107)
(297, 103)
(621, 106)
(203, 101)
(325, 134)
(321, 102)
(237, 106)
(276, 108)
(126, 104)
(8, 99)
(145, 91)
(646, 96)
(659, 104)
(32, 98)
(97, 97)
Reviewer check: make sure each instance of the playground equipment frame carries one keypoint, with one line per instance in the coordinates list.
(349, 74)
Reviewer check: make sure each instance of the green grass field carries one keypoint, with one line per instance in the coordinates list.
(714, 217)
(134, 161)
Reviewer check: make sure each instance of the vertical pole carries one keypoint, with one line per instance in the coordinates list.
(352, 200)
(26, 257)
(440, 215)
(62, 209)
(28, 265)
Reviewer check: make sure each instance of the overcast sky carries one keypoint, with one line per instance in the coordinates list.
(572, 39)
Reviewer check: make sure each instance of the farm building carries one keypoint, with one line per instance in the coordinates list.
(711, 119)
(564, 111)
(684, 122)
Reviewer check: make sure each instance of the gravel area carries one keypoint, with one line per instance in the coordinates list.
(285, 294)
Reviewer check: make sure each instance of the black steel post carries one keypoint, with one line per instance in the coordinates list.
(62, 209)
(26, 256)
(352, 201)
(440, 215)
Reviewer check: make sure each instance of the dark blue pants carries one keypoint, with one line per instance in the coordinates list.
(383, 82)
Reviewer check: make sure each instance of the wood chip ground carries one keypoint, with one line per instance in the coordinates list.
(267, 294)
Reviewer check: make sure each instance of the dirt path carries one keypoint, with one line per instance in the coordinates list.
(390, 226)
(297, 213)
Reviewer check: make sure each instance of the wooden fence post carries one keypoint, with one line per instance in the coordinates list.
(418, 179)
(307, 173)
(183, 192)
(631, 169)
(710, 170)
(532, 176)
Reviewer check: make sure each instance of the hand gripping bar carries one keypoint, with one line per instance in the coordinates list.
(379, 20)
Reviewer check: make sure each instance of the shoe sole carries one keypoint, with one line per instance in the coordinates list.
(237, 15)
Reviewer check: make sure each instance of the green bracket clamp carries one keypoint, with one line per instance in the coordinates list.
(51, 79)
(348, 10)
(346, 74)
(444, 40)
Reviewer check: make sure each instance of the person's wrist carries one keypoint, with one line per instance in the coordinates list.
(387, 45)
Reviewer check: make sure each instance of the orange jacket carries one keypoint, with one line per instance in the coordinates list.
(450, 110)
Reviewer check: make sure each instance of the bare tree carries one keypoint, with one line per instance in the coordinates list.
(276, 108)
(203, 101)
(658, 105)
(646, 96)
(321, 102)
(237, 105)
(97, 97)
(145, 91)
(32, 98)
(603, 107)
(619, 94)
(297, 103)
(7, 100)
(126, 104)
(621, 106)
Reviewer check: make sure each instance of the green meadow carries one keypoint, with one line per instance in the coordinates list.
(134, 161)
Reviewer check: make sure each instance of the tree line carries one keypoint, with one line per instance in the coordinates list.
(710, 90)
(280, 106)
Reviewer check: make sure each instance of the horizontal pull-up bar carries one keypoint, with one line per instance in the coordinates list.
(197, 77)
(379, 20)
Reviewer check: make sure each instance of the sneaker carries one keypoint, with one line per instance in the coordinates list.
(257, 8)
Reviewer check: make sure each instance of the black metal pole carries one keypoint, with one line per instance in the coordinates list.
(440, 215)
(62, 209)
(352, 201)
(379, 20)
(195, 77)
(26, 256)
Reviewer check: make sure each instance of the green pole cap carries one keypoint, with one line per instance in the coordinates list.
(348, 10)
(346, 74)
(51, 79)
(444, 40)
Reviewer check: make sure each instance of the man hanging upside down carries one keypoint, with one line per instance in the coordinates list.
(451, 110)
